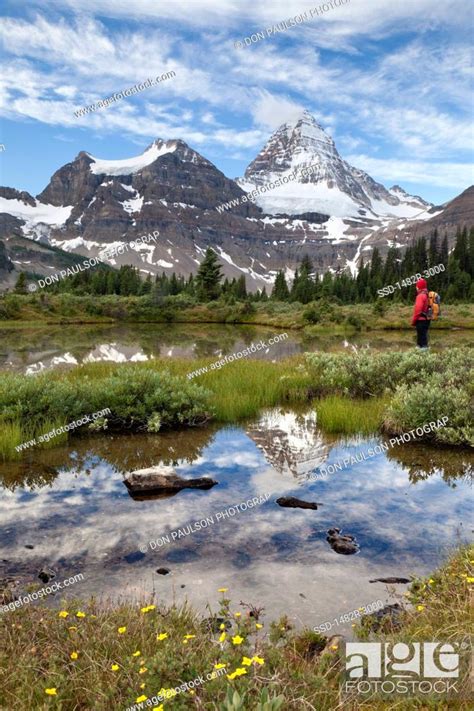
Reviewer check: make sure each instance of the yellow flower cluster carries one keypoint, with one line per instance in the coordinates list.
(247, 662)
(148, 608)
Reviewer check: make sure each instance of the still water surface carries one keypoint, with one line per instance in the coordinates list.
(31, 350)
(407, 507)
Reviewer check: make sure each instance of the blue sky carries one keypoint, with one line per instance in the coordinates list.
(391, 81)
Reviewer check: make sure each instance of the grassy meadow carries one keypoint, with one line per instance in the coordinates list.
(97, 655)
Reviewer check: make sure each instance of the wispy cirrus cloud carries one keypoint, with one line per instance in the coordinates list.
(390, 82)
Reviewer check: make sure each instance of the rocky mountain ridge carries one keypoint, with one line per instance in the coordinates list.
(335, 214)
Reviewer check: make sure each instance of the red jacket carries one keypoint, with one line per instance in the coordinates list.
(421, 305)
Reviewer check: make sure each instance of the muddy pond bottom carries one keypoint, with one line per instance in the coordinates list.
(69, 509)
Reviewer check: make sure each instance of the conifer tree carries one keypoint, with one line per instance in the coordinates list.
(280, 291)
(208, 277)
(21, 284)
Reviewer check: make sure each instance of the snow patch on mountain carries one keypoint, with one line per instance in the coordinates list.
(39, 213)
(133, 205)
(128, 166)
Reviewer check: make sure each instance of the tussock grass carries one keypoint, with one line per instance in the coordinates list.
(11, 435)
(342, 415)
(37, 644)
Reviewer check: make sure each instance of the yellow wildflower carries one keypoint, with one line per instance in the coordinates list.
(258, 660)
(80, 614)
(63, 613)
(222, 626)
(430, 581)
(470, 580)
(238, 672)
(238, 614)
(115, 667)
(222, 637)
(237, 639)
(142, 686)
(148, 608)
(189, 636)
(158, 708)
(136, 654)
(74, 655)
(258, 625)
(141, 698)
(142, 670)
(122, 630)
(162, 635)
(72, 628)
(246, 661)
(51, 692)
(219, 666)
(420, 607)
(222, 590)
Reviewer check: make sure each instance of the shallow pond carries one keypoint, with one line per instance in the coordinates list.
(31, 350)
(407, 507)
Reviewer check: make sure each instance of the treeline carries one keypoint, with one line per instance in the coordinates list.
(455, 283)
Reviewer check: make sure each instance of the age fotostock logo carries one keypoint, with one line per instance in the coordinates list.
(401, 668)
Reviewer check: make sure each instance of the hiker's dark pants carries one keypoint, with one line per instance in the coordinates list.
(422, 327)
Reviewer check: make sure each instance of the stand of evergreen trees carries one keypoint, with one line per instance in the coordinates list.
(455, 283)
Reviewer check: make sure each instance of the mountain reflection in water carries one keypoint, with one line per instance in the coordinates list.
(406, 508)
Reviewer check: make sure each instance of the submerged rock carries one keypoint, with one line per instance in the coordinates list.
(345, 545)
(391, 581)
(46, 574)
(294, 503)
(162, 480)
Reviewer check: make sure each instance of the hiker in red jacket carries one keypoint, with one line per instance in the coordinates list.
(420, 314)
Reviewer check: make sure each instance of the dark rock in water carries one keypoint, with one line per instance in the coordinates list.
(163, 571)
(385, 620)
(345, 545)
(293, 503)
(46, 574)
(390, 581)
(29, 546)
(134, 557)
(162, 480)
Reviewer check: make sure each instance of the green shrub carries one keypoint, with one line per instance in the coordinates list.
(136, 396)
(311, 315)
(354, 321)
(366, 373)
(420, 404)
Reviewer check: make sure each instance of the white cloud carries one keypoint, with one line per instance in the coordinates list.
(452, 175)
(270, 111)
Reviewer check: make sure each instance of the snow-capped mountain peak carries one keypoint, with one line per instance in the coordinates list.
(333, 187)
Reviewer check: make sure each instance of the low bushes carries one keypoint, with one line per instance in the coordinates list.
(138, 397)
(367, 373)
